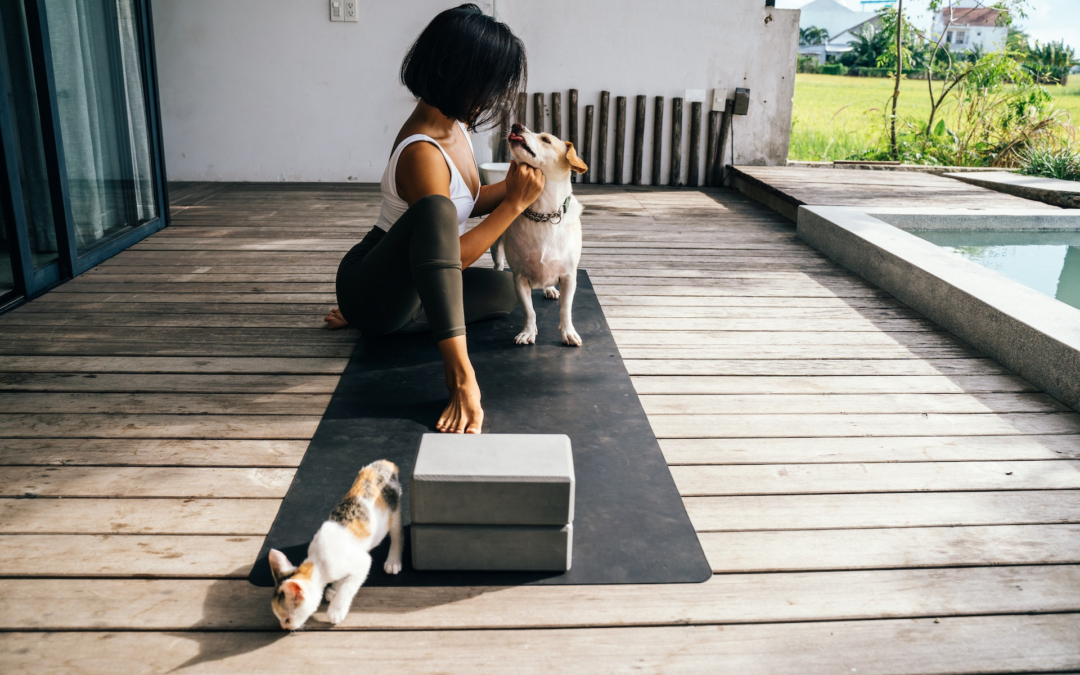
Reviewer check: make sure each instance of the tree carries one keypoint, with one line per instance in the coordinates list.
(867, 49)
(1050, 63)
(812, 35)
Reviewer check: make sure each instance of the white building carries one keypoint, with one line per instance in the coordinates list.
(967, 28)
(838, 21)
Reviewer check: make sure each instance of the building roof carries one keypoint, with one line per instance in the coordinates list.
(832, 16)
(970, 16)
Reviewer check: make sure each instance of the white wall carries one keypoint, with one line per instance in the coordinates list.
(271, 90)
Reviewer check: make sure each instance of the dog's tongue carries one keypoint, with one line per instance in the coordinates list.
(514, 137)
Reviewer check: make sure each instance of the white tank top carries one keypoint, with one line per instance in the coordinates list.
(394, 206)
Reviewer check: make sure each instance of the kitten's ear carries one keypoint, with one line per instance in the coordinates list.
(572, 157)
(280, 566)
(293, 589)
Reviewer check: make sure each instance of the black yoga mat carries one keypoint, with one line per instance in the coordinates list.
(630, 526)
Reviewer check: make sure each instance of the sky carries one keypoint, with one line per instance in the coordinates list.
(1048, 20)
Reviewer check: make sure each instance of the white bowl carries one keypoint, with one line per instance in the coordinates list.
(493, 172)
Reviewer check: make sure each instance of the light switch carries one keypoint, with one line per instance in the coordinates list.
(695, 95)
(350, 10)
(337, 10)
(719, 100)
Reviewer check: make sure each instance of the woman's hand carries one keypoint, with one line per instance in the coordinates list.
(523, 185)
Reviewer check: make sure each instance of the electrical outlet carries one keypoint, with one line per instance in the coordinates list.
(742, 101)
(350, 10)
(337, 10)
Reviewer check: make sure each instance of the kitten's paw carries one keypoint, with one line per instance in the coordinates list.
(337, 614)
(526, 337)
(392, 566)
(331, 591)
(570, 337)
(551, 293)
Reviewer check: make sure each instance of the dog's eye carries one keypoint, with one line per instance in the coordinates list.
(546, 139)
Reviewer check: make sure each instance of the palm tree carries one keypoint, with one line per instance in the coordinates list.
(813, 35)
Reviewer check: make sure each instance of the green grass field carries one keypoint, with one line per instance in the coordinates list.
(838, 116)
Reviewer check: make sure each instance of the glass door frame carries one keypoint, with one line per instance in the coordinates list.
(29, 282)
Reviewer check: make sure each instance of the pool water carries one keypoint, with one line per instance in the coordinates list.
(1049, 262)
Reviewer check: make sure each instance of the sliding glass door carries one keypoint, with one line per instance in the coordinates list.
(82, 147)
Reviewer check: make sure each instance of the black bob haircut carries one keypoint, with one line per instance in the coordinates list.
(466, 64)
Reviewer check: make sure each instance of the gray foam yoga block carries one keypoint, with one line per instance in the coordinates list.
(514, 548)
(493, 479)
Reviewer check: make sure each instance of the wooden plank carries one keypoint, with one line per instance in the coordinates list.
(112, 481)
(538, 113)
(882, 510)
(800, 352)
(1009, 643)
(143, 403)
(771, 404)
(903, 449)
(168, 382)
(94, 347)
(155, 364)
(867, 338)
(556, 115)
(695, 145)
(158, 426)
(779, 384)
(907, 367)
(700, 481)
(657, 139)
(806, 550)
(586, 145)
(150, 452)
(138, 516)
(181, 604)
(125, 555)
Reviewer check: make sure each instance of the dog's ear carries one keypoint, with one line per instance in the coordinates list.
(575, 162)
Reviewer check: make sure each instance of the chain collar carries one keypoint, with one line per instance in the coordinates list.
(555, 217)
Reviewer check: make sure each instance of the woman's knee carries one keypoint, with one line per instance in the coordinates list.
(437, 211)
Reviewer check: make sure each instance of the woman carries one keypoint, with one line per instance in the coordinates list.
(412, 271)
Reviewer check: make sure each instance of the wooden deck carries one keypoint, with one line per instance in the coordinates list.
(873, 496)
(785, 188)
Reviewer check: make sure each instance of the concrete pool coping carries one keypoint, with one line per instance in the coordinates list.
(1063, 193)
(1032, 334)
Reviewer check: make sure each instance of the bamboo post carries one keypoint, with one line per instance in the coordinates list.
(620, 137)
(695, 144)
(586, 146)
(657, 138)
(639, 141)
(710, 147)
(601, 139)
(503, 149)
(538, 113)
(522, 106)
(571, 121)
(556, 114)
(675, 180)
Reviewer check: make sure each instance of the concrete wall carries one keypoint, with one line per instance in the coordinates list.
(269, 90)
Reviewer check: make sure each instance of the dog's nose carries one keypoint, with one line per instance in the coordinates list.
(517, 127)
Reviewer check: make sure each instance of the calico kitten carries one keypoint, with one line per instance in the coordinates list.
(339, 553)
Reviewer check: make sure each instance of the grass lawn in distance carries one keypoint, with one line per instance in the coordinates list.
(837, 116)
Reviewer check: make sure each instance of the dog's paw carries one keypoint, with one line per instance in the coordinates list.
(551, 293)
(336, 614)
(570, 337)
(392, 566)
(526, 337)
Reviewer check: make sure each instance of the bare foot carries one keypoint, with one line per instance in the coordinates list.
(463, 415)
(335, 320)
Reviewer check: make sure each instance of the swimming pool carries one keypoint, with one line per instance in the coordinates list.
(1048, 262)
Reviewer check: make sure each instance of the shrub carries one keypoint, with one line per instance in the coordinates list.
(1062, 162)
(834, 69)
(808, 64)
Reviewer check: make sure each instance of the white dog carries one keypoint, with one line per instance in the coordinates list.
(543, 245)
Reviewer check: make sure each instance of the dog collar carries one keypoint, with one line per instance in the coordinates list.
(555, 217)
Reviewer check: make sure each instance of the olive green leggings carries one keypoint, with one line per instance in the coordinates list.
(385, 281)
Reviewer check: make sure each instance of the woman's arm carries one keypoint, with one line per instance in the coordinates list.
(522, 186)
(490, 197)
(422, 171)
